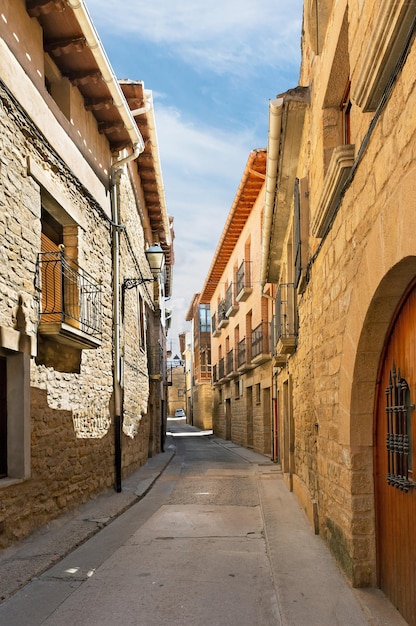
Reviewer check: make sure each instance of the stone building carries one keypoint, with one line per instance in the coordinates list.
(338, 242)
(82, 322)
(177, 386)
(240, 320)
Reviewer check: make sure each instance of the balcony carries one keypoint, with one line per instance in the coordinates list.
(221, 369)
(244, 357)
(214, 329)
(205, 372)
(243, 284)
(286, 322)
(71, 302)
(260, 345)
(231, 306)
(231, 368)
(223, 320)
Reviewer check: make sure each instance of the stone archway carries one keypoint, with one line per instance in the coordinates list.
(357, 396)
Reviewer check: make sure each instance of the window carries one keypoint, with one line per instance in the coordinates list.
(15, 425)
(346, 115)
(300, 233)
(204, 318)
(237, 390)
(71, 298)
(388, 39)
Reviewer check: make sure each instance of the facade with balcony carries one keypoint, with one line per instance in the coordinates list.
(82, 319)
(338, 247)
(241, 319)
(200, 362)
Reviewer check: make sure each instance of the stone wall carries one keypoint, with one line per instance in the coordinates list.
(64, 470)
(345, 310)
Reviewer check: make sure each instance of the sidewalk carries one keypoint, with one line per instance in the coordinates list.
(311, 589)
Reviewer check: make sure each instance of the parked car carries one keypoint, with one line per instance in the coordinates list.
(180, 413)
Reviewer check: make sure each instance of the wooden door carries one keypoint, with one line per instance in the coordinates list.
(52, 284)
(395, 463)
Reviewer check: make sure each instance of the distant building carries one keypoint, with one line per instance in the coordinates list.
(200, 363)
(240, 316)
(177, 385)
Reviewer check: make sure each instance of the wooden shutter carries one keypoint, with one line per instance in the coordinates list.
(51, 281)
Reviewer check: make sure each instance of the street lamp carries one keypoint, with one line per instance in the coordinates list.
(156, 258)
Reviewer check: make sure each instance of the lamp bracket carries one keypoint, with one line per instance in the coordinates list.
(129, 283)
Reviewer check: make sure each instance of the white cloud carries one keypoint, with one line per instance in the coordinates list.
(202, 168)
(224, 36)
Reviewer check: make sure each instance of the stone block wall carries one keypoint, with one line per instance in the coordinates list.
(64, 469)
(345, 310)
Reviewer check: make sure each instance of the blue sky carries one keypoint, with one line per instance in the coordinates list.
(212, 67)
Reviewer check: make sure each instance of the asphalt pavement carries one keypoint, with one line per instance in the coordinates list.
(310, 588)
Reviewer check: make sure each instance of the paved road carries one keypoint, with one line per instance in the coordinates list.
(209, 535)
(192, 552)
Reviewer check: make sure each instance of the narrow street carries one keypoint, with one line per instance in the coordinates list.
(191, 552)
(217, 540)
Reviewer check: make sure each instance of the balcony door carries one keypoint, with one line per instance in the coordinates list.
(52, 281)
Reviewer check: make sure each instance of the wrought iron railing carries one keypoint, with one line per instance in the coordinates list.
(286, 323)
(243, 280)
(222, 311)
(259, 340)
(69, 294)
(229, 297)
(399, 428)
(241, 352)
(213, 323)
(230, 361)
(221, 370)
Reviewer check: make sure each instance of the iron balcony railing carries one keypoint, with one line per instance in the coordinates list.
(213, 323)
(260, 340)
(221, 370)
(69, 294)
(229, 297)
(243, 277)
(230, 361)
(241, 352)
(222, 311)
(286, 322)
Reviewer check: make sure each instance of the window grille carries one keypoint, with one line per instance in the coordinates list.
(398, 440)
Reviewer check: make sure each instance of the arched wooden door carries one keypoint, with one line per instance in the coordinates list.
(395, 462)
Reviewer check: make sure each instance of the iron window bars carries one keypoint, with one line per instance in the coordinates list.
(398, 439)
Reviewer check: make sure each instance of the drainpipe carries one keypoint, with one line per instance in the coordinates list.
(273, 147)
(116, 170)
(94, 43)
